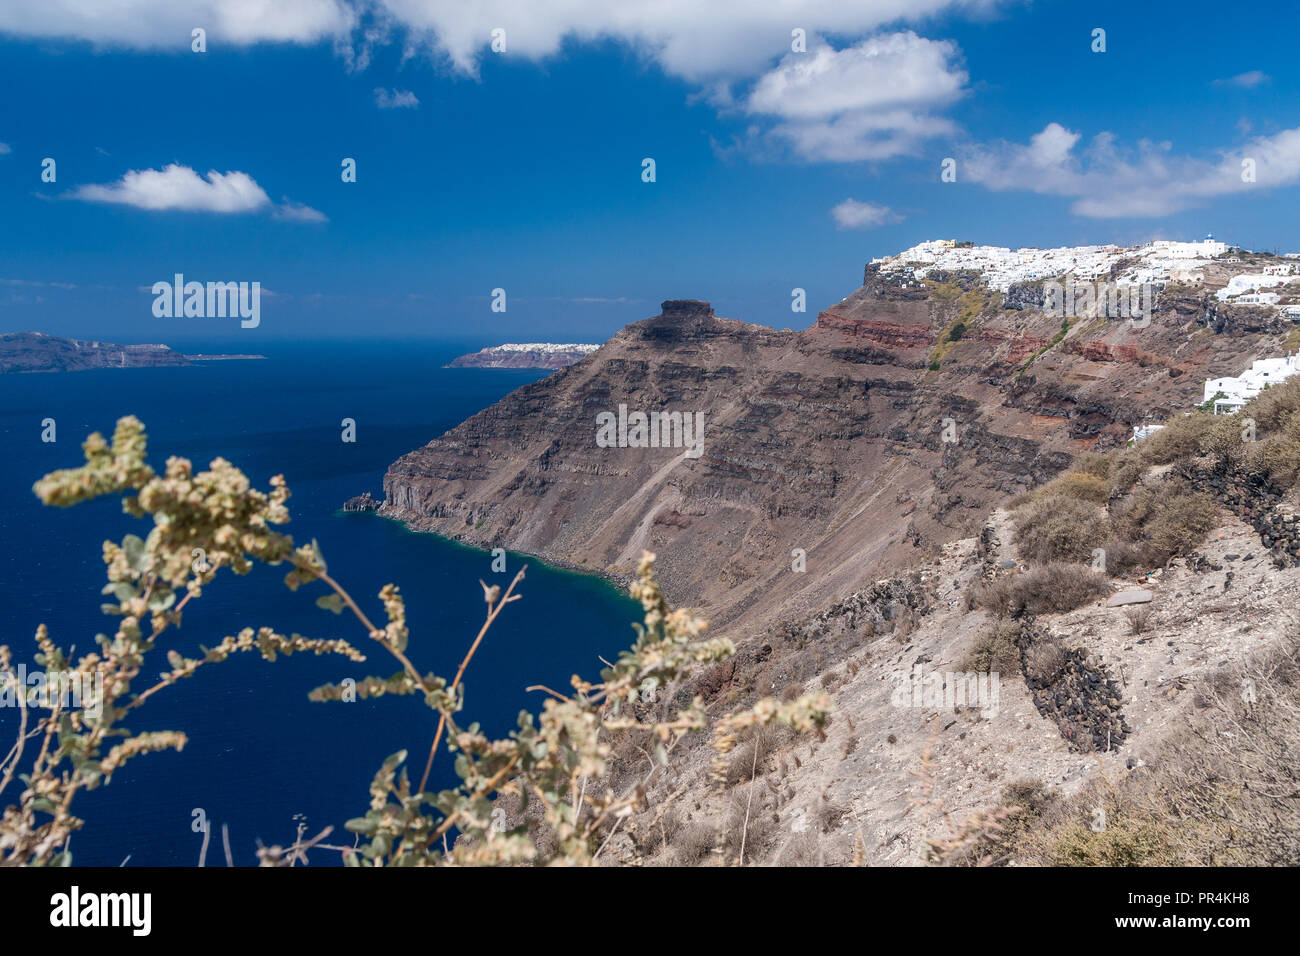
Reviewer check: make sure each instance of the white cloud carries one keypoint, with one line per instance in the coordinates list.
(861, 136)
(178, 187)
(870, 101)
(866, 102)
(395, 99)
(880, 73)
(1146, 181)
(297, 212)
(159, 24)
(4, 148)
(687, 38)
(1248, 80)
(43, 285)
(852, 214)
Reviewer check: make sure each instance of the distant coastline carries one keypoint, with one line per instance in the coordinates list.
(545, 355)
(40, 352)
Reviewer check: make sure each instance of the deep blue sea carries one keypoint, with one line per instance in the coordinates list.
(261, 756)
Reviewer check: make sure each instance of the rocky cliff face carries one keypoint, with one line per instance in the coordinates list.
(830, 456)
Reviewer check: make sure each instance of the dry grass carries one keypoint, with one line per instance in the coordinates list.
(749, 758)
(693, 842)
(1139, 618)
(750, 823)
(802, 850)
(829, 815)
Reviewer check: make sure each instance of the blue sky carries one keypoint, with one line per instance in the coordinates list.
(522, 170)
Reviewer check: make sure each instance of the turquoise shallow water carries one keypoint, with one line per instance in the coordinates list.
(259, 751)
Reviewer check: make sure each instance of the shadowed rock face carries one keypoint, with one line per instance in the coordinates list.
(841, 440)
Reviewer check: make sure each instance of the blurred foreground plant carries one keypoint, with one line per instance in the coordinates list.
(215, 519)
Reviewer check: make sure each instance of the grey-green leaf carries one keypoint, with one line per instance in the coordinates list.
(331, 602)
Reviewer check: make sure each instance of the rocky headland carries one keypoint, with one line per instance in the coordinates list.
(39, 352)
(527, 355)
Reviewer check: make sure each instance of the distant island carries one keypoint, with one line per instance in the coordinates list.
(39, 352)
(526, 355)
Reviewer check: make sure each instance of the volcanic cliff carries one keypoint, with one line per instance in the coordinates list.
(832, 456)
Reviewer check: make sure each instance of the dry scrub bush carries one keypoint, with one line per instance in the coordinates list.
(551, 767)
(1123, 555)
(1138, 524)
(750, 828)
(1180, 438)
(1056, 528)
(1139, 618)
(1022, 806)
(1052, 589)
(693, 843)
(801, 850)
(1165, 521)
(829, 815)
(997, 648)
(1083, 486)
(1094, 464)
(749, 759)
(1045, 660)
(1128, 469)
(1277, 406)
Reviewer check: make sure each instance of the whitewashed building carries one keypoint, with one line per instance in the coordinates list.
(1248, 283)
(1231, 393)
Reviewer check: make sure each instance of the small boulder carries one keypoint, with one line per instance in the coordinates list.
(1134, 596)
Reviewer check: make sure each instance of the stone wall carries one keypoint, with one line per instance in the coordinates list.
(1248, 494)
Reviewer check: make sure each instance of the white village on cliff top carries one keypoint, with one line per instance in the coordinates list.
(1158, 262)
